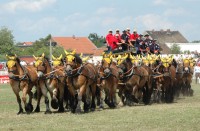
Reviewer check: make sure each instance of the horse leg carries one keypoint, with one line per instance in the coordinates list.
(54, 101)
(87, 101)
(94, 90)
(19, 103)
(120, 94)
(24, 93)
(30, 101)
(39, 95)
(44, 92)
(80, 94)
(61, 94)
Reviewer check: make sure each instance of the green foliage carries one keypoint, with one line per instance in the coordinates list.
(196, 41)
(186, 51)
(6, 41)
(175, 49)
(97, 40)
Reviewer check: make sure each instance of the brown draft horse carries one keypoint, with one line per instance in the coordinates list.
(135, 78)
(168, 72)
(22, 78)
(58, 83)
(108, 80)
(188, 70)
(81, 79)
(43, 69)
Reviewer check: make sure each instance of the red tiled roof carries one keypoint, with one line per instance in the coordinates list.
(28, 43)
(27, 59)
(81, 44)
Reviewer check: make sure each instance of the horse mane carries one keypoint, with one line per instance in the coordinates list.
(78, 59)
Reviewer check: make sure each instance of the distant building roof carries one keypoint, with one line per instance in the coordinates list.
(27, 59)
(28, 43)
(81, 44)
(166, 36)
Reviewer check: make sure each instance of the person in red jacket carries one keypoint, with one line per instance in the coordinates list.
(134, 36)
(118, 36)
(111, 41)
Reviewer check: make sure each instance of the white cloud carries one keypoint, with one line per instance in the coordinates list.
(27, 5)
(176, 12)
(159, 2)
(153, 21)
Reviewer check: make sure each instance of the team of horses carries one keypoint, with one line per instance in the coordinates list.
(71, 81)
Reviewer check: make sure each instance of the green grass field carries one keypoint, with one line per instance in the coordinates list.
(182, 115)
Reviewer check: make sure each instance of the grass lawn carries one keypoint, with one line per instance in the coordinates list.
(182, 115)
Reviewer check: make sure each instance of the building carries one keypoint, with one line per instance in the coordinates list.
(81, 44)
(166, 36)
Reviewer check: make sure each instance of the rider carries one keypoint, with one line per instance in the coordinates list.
(134, 37)
(112, 42)
(154, 47)
(143, 48)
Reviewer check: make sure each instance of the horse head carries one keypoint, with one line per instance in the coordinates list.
(186, 65)
(42, 64)
(166, 62)
(106, 62)
(57, 61)
(84, 59)
(13, 64)
(136, 60)
(72, 61)
(122, 62)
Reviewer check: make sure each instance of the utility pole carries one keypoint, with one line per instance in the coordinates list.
(50, 51)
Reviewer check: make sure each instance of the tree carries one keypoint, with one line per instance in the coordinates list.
(6, 40)
(196, 41)
(175, 49)
(97, 40)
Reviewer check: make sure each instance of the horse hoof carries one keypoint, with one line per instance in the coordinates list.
(29, 108)
(54, 104)
(61, 110)
(20, 112)
(37, 109)
(48, 112)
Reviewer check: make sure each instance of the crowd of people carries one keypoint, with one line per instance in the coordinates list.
(126, 41)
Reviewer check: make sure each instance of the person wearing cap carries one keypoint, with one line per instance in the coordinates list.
(118, 36)
(143, 48)
(147, 39)
(137, 43)
(135, 35)
(124, 38)
(154, 47)
(111, 41)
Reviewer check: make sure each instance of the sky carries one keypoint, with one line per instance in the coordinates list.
(30, 20)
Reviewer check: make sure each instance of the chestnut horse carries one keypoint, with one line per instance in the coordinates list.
(81, 81)
(168, 72)
(188, 69)
(58, 84)
(22, 78)
(43, 69)
(135, 79)
(109, 78)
